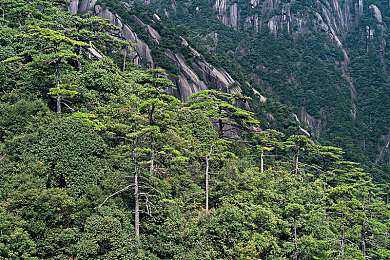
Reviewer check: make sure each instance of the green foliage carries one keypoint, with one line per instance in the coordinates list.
(217, 105)
(21, 117)
(123, 130)
(107, 235)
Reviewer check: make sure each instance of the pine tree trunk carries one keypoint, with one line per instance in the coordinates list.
(262, 162)
(136, 196)
(207, 158)
(124, 61)
(207, 183)
(342, 239)
(296, 163)
(363, 232)
(152, 154)
(151, 122)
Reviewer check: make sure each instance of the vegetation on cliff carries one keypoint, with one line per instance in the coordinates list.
(97, 162)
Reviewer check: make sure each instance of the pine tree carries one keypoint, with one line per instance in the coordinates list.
(137, 124)
(269, 140)
(219, 108)
(360, 217)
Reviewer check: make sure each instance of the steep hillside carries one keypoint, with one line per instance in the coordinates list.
(98, 161)
(324, 59)
(191, 65)
(327, 59)
(189, 70)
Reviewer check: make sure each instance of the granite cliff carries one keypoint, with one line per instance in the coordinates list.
(193, 75)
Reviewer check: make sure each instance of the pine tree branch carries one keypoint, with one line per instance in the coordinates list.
(120, 191)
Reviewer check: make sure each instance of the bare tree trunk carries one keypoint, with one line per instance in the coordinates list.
(207, 183)
(368, 36)
(207, 157)
(124, 61)
(296, 163)
(152, 155)
(363, 240)
(151, 141)
(262, 161)
(364, 230)
(342, 242)
(136, 196)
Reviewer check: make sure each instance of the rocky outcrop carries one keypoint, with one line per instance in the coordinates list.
(220, 79)
(382, 27)
(86, 6)
(190, 82)
(187, 81)
(221, 7)
(73, 7)
(334, 17)
(384, 149)
(301, 130)
(377, 12)
(234, 16)
(142, 55)
(149, 29)
(317, 125)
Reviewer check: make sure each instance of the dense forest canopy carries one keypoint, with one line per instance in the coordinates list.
(98, 161)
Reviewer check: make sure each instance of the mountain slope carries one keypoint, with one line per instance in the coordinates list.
(326, 59)
(189, 70)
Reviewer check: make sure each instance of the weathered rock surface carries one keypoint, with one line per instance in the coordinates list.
(143, 55)
(73, 7)
(231, 19)
(384, 149)
(187, 81)
(316, 124)
(190, 82)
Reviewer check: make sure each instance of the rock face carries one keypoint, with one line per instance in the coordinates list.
(190, 82)
(231, 19)
(73, 6)
(339, 15)
(333, 17)
(187, 81)
(316, 125)
(384, 149)
(143, 55)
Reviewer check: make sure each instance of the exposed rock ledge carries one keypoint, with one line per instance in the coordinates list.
(187, 81)
(384, 149)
